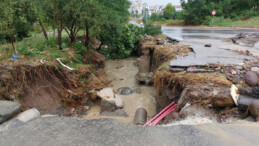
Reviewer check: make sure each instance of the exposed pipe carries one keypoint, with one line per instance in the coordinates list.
(150, 121)
(165, 114)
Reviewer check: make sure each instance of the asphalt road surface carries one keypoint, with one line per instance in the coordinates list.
(62, 131)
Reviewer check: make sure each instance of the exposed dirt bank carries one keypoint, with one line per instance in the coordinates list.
(48, 86)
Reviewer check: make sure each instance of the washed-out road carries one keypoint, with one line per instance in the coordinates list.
(63, 131)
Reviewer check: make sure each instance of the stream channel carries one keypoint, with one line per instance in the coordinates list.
(122, 74)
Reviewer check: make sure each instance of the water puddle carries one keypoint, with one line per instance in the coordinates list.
(122, 73)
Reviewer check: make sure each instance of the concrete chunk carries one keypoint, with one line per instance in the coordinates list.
(8, 110)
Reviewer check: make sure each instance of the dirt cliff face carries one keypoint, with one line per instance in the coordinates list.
(48, 86)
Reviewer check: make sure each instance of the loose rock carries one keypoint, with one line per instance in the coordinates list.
(124, 91)
(109, 95)
(223, 99)
(107, 106)
(8, 110)
(251, 78)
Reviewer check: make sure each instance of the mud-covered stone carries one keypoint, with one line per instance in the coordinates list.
(254, 108)
(223, 99)
(107, 106)
(251, 78)
(124, 91)
(8, 110)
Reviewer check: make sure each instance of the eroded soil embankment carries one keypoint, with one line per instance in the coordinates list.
(47, 86)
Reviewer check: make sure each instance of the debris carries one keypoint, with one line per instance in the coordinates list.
(58, 59)
(234, 95)
(15, 57)
(187, 105)
(140, 116)
(28, 115)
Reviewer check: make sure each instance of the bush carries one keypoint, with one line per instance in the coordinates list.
(152, 29)
(125, 44)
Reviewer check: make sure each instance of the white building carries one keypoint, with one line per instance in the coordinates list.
(136, 6)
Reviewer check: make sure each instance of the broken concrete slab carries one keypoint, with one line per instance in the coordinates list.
(8, 110)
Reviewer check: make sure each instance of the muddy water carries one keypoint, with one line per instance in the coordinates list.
(122, 74)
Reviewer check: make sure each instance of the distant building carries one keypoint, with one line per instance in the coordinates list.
(178, 8)
(136, 7)
(156, 9)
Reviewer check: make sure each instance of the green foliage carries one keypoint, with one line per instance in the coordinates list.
(196, 12)
(169, 11)
(154, 17)
(152, 29)
(125, 44)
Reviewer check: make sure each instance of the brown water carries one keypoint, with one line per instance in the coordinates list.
(122, 73)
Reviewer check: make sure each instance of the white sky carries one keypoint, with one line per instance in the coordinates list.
(161, 2)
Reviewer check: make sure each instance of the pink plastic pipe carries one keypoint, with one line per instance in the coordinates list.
(158, 114)
(165, 114)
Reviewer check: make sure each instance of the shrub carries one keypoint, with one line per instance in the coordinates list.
(125, 44)
(152, 29)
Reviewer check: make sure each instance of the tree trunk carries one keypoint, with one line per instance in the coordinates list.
(59, 38)
(12, 41)
(44, 31)
(87, 37)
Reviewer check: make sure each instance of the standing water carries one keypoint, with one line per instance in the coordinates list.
(122, 74)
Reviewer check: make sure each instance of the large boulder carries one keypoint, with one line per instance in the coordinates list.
(8, 110)
(251, 78)
(254, 108)
(223, 99)
(109, 95)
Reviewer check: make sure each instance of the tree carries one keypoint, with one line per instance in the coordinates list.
(57, 11)
(154, 17)
(15, 19)
(169, 11)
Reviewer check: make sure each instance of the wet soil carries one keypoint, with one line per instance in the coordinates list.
(122, 74)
